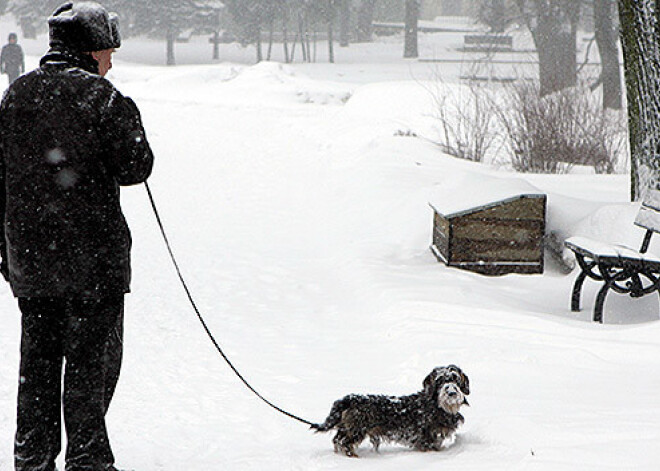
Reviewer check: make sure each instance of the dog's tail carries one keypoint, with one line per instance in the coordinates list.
(335, 415)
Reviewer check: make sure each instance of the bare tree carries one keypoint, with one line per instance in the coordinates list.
(606, 35)
(330, 14)
(496, 14)
(410, 48)
(553, 24)
(365, 18)
(640, 29)
(344, 22)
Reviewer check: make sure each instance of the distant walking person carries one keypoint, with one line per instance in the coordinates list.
(68, 140)
(12, 61)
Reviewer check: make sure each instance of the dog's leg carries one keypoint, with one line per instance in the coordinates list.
(338, 440)
(375, 442)
(345, 443)
(437, 445)
(353, 440)
(428, 441)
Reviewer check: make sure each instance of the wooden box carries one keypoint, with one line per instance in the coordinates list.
(497, 238)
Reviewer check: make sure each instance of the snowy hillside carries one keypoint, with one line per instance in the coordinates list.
(300, 218)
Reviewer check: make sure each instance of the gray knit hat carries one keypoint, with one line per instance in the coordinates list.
(84, 27)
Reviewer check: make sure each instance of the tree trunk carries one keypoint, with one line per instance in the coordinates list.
(260, 54)
(555, 35)
(606, 39)
(311, 57)
(365, 20)
(344, 23)
(271, 34)
(331, 31)
(285, 36)
(216, 45)
(292, 58)
(303, 38)
(28, 28)
(171, 38)
(216, 38)
(410, 49)
(331, 45)
(639, 32)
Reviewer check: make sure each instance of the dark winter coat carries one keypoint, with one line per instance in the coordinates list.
(11, 59)
(68, 140)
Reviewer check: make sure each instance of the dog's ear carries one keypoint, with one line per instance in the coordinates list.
(431, 382)
(465, 387)
(465, 381)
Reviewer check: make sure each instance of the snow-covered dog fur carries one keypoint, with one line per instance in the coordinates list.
(421, 420)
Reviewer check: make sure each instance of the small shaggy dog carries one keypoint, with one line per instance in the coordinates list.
(422, 420)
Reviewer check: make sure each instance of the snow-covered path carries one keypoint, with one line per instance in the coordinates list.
(302, 226)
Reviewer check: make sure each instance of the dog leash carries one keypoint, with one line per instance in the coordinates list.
(201, 318)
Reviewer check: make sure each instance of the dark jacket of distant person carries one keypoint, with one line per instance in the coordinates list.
(12, 60)
(66, 235)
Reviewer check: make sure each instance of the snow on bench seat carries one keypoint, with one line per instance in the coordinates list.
(598, 250)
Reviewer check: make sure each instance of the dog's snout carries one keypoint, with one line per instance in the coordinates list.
(451, 393)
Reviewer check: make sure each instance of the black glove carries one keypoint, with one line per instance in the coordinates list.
(4, 269)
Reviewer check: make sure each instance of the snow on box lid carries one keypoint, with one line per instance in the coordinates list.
(467, 193)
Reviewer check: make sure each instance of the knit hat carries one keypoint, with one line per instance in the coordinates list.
(84, 27)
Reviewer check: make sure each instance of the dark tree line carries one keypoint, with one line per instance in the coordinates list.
(165, 19)
(297, 24)
(554, 25)
(300, 23)
(637, 24)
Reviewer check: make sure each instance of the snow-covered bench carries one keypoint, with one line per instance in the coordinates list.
(620, 268)
(487, 43)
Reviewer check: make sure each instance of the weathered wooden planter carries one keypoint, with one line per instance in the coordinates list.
(497, 238)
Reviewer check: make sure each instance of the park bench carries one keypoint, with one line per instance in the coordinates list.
(487, 43)
(621, 269)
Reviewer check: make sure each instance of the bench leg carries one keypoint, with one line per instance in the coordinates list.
(600, 302)
(577, 290)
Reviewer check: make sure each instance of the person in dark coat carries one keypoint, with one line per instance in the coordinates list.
(12, 60)
(68, 140)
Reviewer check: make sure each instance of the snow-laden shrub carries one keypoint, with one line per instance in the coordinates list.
(465, 120)
(517, 127)
(553, 133)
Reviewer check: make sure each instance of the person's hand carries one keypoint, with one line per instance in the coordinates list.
(4, 269)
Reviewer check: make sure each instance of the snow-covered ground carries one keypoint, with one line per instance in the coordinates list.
(300, 219)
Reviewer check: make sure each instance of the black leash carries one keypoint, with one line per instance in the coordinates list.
(201, 318)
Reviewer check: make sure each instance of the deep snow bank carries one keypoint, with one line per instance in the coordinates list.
(303, 230)
(233, 84)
